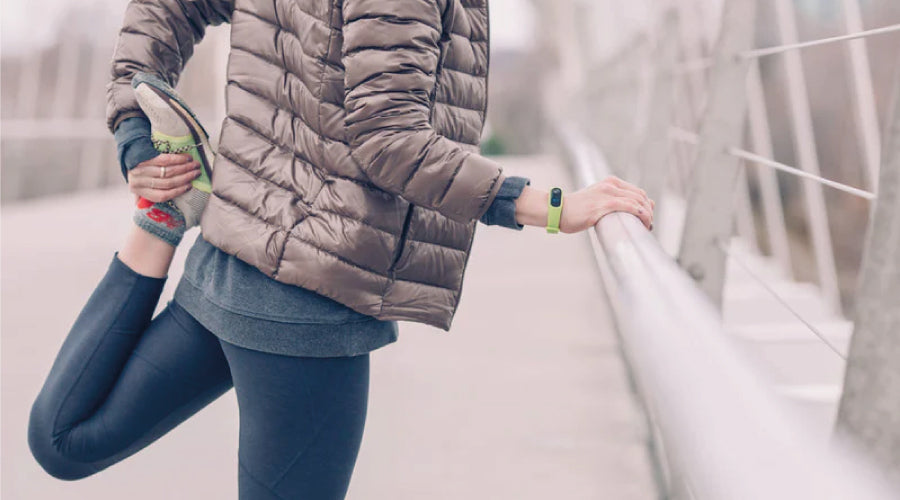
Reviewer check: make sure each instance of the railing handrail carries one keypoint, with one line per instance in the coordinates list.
(725, 432)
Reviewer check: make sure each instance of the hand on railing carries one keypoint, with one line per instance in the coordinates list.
(583, 209)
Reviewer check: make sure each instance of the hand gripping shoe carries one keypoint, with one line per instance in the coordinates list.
(175, 129)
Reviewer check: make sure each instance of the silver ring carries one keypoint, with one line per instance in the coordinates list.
(162, 173)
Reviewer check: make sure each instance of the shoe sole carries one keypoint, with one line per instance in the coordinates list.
(173, 101)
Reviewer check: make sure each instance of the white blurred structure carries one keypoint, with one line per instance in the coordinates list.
(680, 104)
(758, 127)
(54, 78)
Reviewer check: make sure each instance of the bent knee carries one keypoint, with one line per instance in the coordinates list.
(44, 449)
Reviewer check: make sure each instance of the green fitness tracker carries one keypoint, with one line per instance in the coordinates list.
(554, 210)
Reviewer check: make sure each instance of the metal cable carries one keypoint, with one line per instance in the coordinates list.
(761, 160)
(781, 300)
(682, 135)
(749, 54)
(704, 63)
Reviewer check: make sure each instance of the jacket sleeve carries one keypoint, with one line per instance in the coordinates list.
(502, 211)
(133, 144)
(157, 36)
(390, 56)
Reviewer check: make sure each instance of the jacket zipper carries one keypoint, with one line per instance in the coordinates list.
(398, 252)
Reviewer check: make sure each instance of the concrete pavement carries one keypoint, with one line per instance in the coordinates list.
(526, 398)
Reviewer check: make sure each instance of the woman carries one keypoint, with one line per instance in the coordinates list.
(345, 195)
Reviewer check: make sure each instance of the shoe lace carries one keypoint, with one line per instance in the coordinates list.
(166, 147)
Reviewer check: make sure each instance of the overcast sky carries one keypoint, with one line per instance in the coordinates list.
(26, 23)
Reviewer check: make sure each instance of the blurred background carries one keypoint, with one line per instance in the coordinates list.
(55, 56)
(590, 61)
(55, 65)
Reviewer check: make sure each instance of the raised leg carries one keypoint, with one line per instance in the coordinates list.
(120, 380)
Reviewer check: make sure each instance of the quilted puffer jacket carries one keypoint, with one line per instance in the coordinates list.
(348, 161)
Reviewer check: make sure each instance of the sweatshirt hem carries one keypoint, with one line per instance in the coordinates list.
(323, 340)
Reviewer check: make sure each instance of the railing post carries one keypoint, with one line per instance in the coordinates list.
(614, 95)
(710, 208)
(807, 156)
(654, 153)
(863, 93)
(761, 144)
(868, 409)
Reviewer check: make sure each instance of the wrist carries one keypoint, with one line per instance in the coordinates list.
(531, 207)
(133, 143)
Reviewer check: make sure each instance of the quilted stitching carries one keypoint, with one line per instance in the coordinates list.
(321, 92)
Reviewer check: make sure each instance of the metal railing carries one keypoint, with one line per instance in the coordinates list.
(673, 111)
(725, 433)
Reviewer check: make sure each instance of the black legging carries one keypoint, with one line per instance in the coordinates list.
(120, 381)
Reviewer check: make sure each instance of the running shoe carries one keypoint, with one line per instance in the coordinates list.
(174, 128)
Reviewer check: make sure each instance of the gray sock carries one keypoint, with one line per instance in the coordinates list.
(162, 220)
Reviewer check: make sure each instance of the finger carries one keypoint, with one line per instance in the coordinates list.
(637, 208)
(167, 160)
(136, 183)
(170, 159)
(156, 183)
(172, 182)
(181, 168)
(635, 189)
(146, 193)
(622, 184)
(633, 195)
(627, 193)
(168, 194)
(160, 195)
(155, 171)
(179, 180)
(141, 182)
(149, 170)
(628, 205)
(135, 190)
